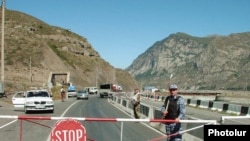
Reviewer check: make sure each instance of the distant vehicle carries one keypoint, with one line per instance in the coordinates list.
(33, 100)
(71, 92)
(108, 89)
(118, 88)
(105, 90)
(92, 90)
(151, 89)
(155, 90)
(82, 94)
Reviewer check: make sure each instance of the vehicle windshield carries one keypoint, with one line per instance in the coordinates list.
(82, 91)
(38, 94)
(105, 86)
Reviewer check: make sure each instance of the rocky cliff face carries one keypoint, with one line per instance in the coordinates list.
(216, 62)
(33, 49)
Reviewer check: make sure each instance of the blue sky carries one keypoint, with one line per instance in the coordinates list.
(121, 30)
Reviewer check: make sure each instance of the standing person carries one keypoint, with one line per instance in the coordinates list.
(136, 103)
(173, 109)
(62, 94)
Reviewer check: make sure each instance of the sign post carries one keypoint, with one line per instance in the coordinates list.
(68, 130)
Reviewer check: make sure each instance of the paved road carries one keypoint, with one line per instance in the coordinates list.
(39, 130)
(95, 107)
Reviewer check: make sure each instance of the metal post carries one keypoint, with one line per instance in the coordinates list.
(121, 131)
(246, 84)
(96, 77)
(2, 51)
(21, 130)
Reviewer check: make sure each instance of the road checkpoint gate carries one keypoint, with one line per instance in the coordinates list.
(79, 131)
(68, 130)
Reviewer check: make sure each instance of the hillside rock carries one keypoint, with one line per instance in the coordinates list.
(33, 49)
(211, 63)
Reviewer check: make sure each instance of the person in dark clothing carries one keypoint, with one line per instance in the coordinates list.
(173, 109)
(136, 103)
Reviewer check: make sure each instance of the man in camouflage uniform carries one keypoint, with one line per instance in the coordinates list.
(173, 109)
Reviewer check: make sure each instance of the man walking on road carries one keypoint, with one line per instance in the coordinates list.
(136, 103)
(62, 94)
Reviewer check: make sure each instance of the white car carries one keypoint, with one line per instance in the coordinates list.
(82, 94)
(71, 93)
(34, 100)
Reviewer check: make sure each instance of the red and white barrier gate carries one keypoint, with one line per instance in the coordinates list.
(76, 132)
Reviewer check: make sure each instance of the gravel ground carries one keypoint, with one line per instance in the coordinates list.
(6, 101)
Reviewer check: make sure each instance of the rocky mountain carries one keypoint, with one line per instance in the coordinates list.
(196, 63)
(33, 49)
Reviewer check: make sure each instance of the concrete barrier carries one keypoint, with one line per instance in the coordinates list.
(186, 101)
(244, 99)
(193, 102)
(217, 106)
(160, 98)
(204, 104)
(234, 109)
(212, 105)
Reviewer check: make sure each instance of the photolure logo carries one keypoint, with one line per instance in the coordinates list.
(241, 132)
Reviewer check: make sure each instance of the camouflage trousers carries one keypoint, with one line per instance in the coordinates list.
(172, 130)
(136, 109)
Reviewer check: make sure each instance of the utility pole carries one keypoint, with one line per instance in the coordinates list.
(246, 84)
(2, 50)
(96, 77)
(30, 72)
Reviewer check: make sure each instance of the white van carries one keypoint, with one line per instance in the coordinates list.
(92, 90)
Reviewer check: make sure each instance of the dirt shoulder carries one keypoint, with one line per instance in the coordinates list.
(6, 101)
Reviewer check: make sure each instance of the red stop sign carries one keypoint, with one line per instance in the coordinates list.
(68, 130)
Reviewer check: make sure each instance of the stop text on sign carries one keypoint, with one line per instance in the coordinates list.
(69, 135)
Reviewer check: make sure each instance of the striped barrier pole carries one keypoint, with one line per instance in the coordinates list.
(103, 119)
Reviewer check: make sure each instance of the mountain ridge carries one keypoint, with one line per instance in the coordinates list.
(213, 62)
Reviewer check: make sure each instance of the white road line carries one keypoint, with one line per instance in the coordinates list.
(8, 123)
(139, 122)
(62, 115)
